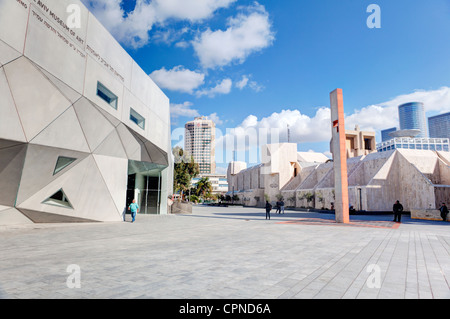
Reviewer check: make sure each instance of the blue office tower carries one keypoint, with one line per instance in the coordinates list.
(439, 125)
(412, 117)
(385, 134)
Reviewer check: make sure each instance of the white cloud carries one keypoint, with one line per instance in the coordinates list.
(385, 115)
(247, 33)
(254, 132)
(246, 82)
(132, 29)
(224, 87)
(178, 79)
(183, 110)
(192, 10)
(215, 118)
(243, 82)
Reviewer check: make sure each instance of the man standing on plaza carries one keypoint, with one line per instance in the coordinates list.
(268, 209)
(398, 209)
(134, 208)
(444, 212)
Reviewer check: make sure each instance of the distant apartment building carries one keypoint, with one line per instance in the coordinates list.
(359, 142)
(439, 126)
(385, 134)
(412, 117)
(200, 143)
(219, 182)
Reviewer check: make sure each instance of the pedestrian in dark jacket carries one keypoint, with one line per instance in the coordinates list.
(268, 209)
(398, 209)
(444, 212)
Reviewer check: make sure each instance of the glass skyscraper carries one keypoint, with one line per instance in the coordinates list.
(385, 134)
(439, 125)
(412, 117)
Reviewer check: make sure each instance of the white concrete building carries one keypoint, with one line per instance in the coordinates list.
(83, 129)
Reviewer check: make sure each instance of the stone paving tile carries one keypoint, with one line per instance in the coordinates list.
(228, 253)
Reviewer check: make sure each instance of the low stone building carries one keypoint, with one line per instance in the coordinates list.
(419, 179)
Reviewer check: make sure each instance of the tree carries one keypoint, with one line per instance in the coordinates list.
(185, 169)
(204, 187)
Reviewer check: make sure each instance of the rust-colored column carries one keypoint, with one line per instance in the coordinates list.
(339, 151)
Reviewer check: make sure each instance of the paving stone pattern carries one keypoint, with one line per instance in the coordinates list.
(232, 253)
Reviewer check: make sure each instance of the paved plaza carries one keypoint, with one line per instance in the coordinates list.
(228, 253)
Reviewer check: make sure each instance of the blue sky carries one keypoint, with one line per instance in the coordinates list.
(265, 64)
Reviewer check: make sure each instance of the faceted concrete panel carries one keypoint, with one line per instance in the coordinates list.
(38, 101)
(13, 22)
(67, 91)
(113, 120)
(134, 147)
(12, 216)
(49, 47)
(8, 143)
(144, 154)
(95, 126)
(159, 103)
(86, 191)
(111, 146)
(7, 53)
(130, 101)
(94, 74)
(156, 154)
(49, 218)
(92, 194)
(10, 126)
(11, 164)
(64, 132)
(114, 174)
(61, 11)
(39, 167)
(2, 208)
(140, 83)
(108, 53)
(157, 131)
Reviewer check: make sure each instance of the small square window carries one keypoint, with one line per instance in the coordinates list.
(107, 95)
(137, 118)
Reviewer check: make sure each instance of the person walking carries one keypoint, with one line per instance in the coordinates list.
(282, 206)
(277, 207)
(134, 208)
(398, 209)
(444, 212)
(268, 209)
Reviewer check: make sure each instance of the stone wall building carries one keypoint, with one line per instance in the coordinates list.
(420, 179)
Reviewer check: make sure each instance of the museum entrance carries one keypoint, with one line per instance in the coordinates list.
(144, 185)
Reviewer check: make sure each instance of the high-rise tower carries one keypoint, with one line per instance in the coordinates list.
(412, 117)
(199, 142)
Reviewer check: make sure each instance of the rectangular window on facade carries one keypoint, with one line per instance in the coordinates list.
(137, 118)
(107, 95)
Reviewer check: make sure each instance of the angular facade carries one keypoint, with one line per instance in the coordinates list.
(83, 129)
